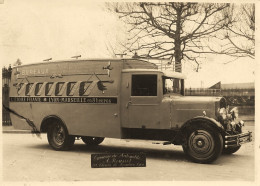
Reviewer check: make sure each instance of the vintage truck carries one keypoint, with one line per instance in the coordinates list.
(121, 98)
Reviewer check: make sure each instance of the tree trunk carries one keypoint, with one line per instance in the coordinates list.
(177, 42)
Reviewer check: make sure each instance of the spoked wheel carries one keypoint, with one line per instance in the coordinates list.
(88, 140)
(58, 136)
(203, 145)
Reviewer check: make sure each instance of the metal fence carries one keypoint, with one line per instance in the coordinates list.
(6, 77)
(235, 97)
(202, 92)
(219, 92)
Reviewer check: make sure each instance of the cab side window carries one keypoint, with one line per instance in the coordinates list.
(144, 85)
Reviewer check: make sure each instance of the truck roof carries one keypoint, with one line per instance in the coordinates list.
(167, 73)
(87, 60)
(129, 64)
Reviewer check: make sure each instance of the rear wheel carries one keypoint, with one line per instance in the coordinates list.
(203, 144)
(58, 136)
(88, 140)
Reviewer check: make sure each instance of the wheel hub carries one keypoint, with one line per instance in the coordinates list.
(201, 143)
(59, 135)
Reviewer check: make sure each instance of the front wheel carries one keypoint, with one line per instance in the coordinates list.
(231, 150)
(203, 144)
(58, 136)
(92, 140)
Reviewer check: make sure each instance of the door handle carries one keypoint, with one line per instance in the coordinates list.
(128, 103)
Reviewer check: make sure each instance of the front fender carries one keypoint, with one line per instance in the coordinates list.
(204, 119)
(181, 135)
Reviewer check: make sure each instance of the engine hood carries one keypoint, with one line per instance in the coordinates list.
(184, 108)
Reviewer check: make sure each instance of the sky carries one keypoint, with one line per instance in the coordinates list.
(36, 30)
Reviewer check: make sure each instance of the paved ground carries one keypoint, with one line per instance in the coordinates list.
(28, 158)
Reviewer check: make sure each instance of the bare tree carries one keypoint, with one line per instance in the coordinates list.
(17, 63)
(174, 30)
(238, 38)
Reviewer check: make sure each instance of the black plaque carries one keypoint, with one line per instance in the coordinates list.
(90, 100)
(118, 160)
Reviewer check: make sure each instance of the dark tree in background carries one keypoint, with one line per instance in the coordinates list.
(174, 30)
(238, 38)
(186, 31)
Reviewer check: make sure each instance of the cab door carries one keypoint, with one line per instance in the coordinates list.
(141, 100)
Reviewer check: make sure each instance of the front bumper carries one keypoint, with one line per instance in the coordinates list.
(237, 140)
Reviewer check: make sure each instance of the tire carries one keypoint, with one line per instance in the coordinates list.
(58, 136)
(230, 150)
(203, 144)
(88, 140)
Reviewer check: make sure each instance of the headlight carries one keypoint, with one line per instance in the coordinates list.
(223, 113)
(221, 104)
(242, 123)
(234, 112)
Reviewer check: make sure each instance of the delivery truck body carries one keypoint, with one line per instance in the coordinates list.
(119, 98)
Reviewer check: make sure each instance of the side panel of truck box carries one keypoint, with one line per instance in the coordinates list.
(83, 94)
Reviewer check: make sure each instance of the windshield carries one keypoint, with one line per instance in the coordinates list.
(173, 86)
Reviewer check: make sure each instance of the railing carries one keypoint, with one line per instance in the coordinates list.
(202, 92)
(164, 65)
(235, 97)
(219, 92)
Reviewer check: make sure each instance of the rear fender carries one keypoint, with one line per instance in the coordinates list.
(47, 121)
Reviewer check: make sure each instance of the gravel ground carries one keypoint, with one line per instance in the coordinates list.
(28, 158)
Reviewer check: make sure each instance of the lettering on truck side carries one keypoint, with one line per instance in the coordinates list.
(93, 100)
(34, 72)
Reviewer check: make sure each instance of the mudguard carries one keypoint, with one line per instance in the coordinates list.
(46, 120)
(212, 122)
(180, 136)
